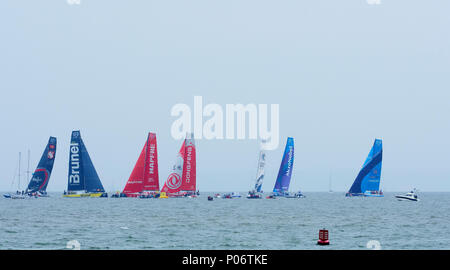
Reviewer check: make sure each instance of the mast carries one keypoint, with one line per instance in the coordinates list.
(28, 167)
(20, 157)
(144, 172)
(189, 181)
(329, 188)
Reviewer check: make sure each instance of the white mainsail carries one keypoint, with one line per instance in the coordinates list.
(261, 164)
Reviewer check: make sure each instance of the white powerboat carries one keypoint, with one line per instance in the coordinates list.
(410, 196)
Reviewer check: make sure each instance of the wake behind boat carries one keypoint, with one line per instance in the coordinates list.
(367, 183)
(83, 180)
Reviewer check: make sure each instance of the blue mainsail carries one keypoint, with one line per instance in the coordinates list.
(82, 174)
(285, 172)
(41, 175)
(368, 179)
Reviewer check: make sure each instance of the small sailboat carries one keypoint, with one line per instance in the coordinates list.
(367, 183)
(38, 183)
(83, 180)
(281, 187)
(182, 181)
(410, 196)
(19, 194)
(256, 193)
(144, 179)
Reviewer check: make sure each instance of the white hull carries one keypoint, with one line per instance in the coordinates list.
(406, 198)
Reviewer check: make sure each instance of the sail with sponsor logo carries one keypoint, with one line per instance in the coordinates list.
(182, 179)
(255, 193)
(41, 176)
(173, 182)
(188, 179)
(367, 183)
(261, 165)
(83, 180)
(144, 177)
(285, 173)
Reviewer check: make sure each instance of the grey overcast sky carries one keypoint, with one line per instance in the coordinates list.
(343, 73)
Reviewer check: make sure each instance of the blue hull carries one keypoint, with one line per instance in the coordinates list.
(363, 195)
(373, 195)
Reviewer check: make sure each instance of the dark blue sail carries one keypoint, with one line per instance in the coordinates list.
(91, 179)
(368, 179)
(285, 172)
(76, 176)
(82, 174)
(41, 175)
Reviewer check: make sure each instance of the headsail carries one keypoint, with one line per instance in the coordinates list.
(369, 177)
(260, 171)
(285, 172)
(41, 175)
(173, 182)
(135, 183)
(144, 176)
(82, 174)
(189, 165)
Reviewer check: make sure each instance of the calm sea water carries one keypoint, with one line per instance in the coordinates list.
(130, 223)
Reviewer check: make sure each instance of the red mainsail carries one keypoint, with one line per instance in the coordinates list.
(189, 166)
(144, 176)
(151, 179)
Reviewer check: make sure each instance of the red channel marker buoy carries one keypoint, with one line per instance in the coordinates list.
(323, 238)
